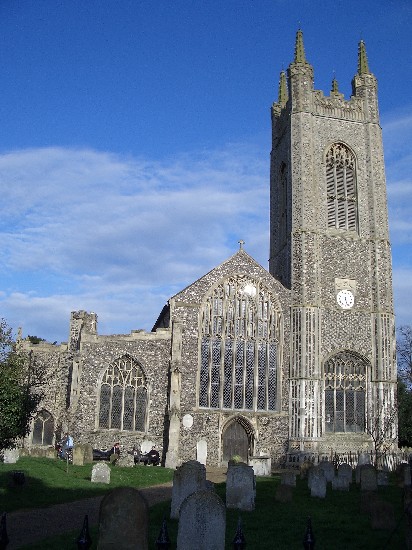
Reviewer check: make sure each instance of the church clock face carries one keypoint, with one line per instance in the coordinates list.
(345, 299)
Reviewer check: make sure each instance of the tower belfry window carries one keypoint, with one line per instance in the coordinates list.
(239, 347)
(341, 188)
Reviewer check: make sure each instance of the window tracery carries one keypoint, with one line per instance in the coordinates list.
(123, 396)
(341, 188)
(345, 391)
(240, 328)
(43, 429)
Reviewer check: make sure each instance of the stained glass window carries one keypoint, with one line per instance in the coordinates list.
(123, 396)
(345, 388)
(43, 429)
(239, 347)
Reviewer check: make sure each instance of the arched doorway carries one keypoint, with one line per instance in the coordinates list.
(237, 440)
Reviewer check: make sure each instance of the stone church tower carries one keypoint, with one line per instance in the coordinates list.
(329, 244)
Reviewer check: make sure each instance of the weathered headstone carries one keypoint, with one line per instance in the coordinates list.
(288, 478)
(304, 468)
(284, 493)
(408, 527)
(382, 478)
(382, 515)
(126, 460)
(88, 453)
(78, 455)
(10, 456)
(344, 470)
(340, 483)
(262, 465)
(188, 478)
(123, 520)
(50, 452)
(82, 454)
(364, 458)
(368, 478)
(407, 475)
(314, 471)
(328, 469)
(201, 451)
(318, 483)
(240, 487)
(202, 522)
(146, 446)
(101, 473)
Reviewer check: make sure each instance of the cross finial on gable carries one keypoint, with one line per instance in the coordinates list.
(241, 243)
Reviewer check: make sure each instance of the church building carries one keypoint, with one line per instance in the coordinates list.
(248, 362)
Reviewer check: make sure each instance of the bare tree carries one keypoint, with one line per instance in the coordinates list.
(382, 428)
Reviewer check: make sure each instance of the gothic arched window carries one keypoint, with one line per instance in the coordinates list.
(123, 396)
(341, 188)
(239, 347)
(43, 429)
(345, 390)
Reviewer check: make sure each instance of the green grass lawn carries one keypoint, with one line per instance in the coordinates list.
(337, 521)
(49, 482)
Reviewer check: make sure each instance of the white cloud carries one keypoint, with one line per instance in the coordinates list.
(83, 229)
(88, 230)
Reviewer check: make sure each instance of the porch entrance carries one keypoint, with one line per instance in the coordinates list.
(236, 442)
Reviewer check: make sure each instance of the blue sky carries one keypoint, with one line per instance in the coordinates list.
(135, 140)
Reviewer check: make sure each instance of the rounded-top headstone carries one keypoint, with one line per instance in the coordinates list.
(202, 523)
(187, 421)
(123, 521)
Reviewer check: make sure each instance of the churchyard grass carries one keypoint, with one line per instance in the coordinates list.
(50, 482)
(337, 521)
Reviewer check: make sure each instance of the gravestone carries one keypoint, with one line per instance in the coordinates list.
(359, 470)
(101, 473)
(288, 478)
(406, 475)
(382, 515)
(201, 451)
(328, 469)
(262, 465)
(187, 479)
(344, 470)
(50, 452)
(88, 453)
(125, 460)
(240, 487)
(123, 520)
(10, 456)
(78, 455)
(408, 527)
(340, 483)
(304, 468)
(318, 483)
(314, 471)
(202, 522)
(284, 493)
(364, 458)
(146, 446)
(368, 478)
(382, 478)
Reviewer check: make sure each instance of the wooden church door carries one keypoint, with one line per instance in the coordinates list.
(235, 442)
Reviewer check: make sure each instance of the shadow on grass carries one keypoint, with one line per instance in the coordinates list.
(337, 521)
(49, 482)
